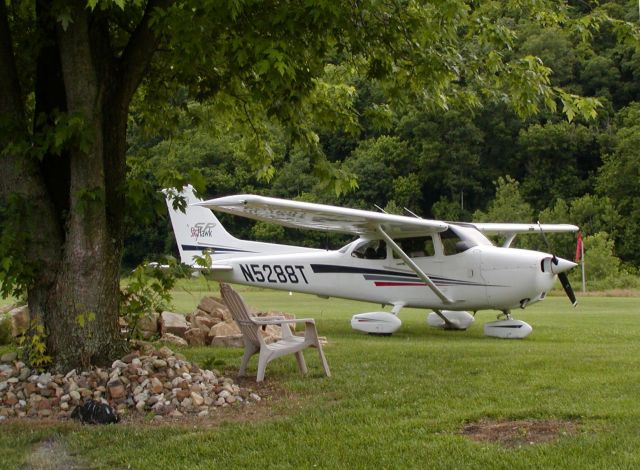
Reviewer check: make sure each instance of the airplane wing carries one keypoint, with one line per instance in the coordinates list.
(309, 215)
(511, 230)
(508, 229)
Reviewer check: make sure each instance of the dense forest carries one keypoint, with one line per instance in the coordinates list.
(464, 158)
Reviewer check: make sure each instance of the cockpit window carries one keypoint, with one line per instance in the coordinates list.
(374, 249)
(416, 247)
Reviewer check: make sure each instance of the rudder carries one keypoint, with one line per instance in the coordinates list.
(198, 229)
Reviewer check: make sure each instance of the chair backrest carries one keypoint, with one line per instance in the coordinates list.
(240, 313)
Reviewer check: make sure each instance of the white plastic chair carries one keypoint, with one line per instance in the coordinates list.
(254, 343)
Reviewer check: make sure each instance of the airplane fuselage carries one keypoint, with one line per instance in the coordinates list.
(396, 260)
(483, 277)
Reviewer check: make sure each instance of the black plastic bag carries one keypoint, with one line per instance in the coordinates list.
(95, 412)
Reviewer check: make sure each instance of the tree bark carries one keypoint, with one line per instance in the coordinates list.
(82, 322)
(22, 182)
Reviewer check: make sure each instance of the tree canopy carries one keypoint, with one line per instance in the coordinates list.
(413, 103)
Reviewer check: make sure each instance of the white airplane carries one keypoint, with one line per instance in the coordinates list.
(451, 268)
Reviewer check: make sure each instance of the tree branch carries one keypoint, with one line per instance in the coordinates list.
(11, 97)
(12, 114)
(138, 54)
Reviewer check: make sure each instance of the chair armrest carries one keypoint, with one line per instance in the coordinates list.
(270, 320)
(309, 325)
(280, 320)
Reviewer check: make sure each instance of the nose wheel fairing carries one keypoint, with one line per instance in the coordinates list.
(508, 329)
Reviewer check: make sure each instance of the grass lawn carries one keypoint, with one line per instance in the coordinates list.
(396, 402)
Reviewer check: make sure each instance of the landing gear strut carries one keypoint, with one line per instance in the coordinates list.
(504, 315)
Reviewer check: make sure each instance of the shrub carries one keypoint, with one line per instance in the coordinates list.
(603, 269)
(5, 330)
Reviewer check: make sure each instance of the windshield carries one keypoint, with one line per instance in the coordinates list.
(457, 239)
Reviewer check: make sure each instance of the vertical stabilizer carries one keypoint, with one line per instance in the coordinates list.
(198, 229)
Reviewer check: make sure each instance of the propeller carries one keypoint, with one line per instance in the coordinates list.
(560, 267)
(564, 280)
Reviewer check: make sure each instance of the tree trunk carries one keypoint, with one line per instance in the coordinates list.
(73, 197)
(81, 317)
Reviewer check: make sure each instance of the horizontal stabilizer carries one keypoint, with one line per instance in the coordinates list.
(220, 267)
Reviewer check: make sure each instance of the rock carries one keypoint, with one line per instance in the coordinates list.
(159, 363)
(169, 338)
(210, 304)
(148, 325)
(161, 381)
(19, 320)
(234, 341)
(128, 358)
(116, 388)
(11, 398)
(44, 405)
(156, 385)
(24, 374)
(204, 322)
(44, 379)
(9, 357)
(224, 329)
(195, 337)
(272, 331)
(173, 323)
(164, 352)
(197, 399)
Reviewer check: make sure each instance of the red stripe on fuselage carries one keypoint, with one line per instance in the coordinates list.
(396, 284)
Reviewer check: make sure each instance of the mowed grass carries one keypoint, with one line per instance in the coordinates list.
(400, 401)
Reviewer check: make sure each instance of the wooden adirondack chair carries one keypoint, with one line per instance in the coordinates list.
(254, 343)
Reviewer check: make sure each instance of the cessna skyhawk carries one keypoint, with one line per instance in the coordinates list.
(451, 268)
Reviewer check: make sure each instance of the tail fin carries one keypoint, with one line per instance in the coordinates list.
(198, 229)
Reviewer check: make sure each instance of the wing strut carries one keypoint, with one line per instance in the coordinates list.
(414, 267)
(508, 240)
